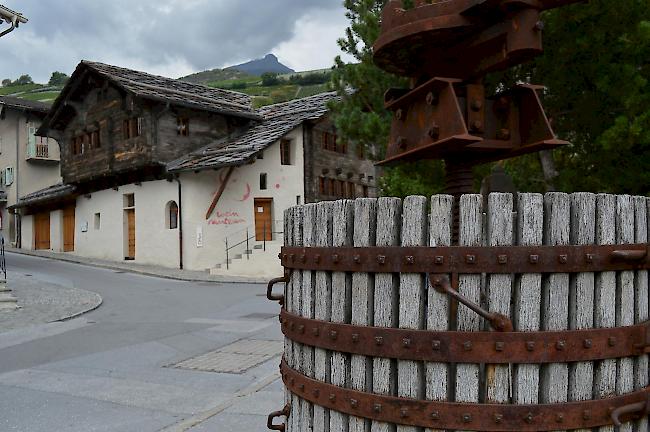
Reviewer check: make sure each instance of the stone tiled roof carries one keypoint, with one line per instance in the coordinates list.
(51, 193)
(175, 91)
(278, 120)
(24, 104)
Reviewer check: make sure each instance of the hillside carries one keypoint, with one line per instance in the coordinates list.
(269, 63)
(215, 75)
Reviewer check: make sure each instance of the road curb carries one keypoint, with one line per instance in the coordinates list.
(56, 257)
(78, 314)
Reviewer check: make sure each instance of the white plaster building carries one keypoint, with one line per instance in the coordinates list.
(230, 193)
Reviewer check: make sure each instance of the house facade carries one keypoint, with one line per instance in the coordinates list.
(180, 175)
(27, 162)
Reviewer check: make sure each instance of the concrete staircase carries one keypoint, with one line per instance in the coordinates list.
(258, 263)
(7, 299)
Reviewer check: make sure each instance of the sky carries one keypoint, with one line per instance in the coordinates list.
(169, 37)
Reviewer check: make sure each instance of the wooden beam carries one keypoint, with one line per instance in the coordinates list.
(219, 193)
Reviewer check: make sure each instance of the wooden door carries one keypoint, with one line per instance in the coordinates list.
(42, 231)
(263, 219)
(68, 228)
(130, 229)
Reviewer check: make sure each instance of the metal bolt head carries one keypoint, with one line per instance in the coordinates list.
(499, 346)
(333, 335)
(539, 25)
(559, 418)
(498, 418)
(410, 260)
(587, 343)
(439, 260)
(301, 387)
(589, 258)
(467, 346)
(467, 418)
(355, 337)
(292, 257)
(317, 258)
(303, 258)
(332, 397)
(502, 259)
(434, 131)
(357, 259)
(529, 418)
(354, 403)
(381, 259)
(470, 259)
(564, 259)
(560, 345)
(406, 342)
(376, 408)
(435, 416)
(431, 99)
(530, 346)
(436, 345)
(403, 413)
(379, 340)
(611, 341)
(534, 259)
(301, 329)
(335, 258)
(315, 331)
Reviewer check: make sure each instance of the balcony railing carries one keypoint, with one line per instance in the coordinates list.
(40, 152)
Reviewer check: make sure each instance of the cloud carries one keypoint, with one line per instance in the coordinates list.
(169, 37)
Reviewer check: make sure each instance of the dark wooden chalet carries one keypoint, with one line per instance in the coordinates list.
(117, 126)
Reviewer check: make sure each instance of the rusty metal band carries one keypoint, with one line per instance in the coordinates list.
(468, 260)
(462, 416)
(470, 347)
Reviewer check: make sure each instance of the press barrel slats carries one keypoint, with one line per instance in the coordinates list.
(605, 297)
(499, 289)
(323, 309)
(365, 222)
(308, 305)
(470, 234)
(528, 291)
(341, 292)
(440, 231)
(625, 295)
(342, 223)
(384, 377)
(555, 316)
(641, 378)
(410, 374)
(581, 304)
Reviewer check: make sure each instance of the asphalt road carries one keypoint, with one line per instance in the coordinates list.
(106, 371)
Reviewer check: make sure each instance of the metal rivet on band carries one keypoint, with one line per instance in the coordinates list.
(357, 259)
(587, 343)
(470, 259)
(406, 342)
(467, 346)
(534, 259)
(560, 345)
(333, 335)
(381, 259)
(499, 346)
(377, 408)
(379, 340)
(564, 259)
(355, 337)
(530, 346)
(436, 345)
(503, 259)
(410, 259)
(354, 403)
(439, 260)
(467, 418)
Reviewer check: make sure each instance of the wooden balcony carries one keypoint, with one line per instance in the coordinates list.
(40, 153)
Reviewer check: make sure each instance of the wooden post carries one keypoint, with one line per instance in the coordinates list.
(300, 418)
(410, 374)
(342, 226)
(641, 379)
(581, 304)
(323, 309)
(528, 292)
(625, 296)
(293, 420)
(440, 231)
(470, 234)
(308, 286)
(384, 376)
(499, 289)
(365, 222)
(555, 299)
(605, 297)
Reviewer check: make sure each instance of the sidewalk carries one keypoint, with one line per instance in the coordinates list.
(149, 270)
(42, 302)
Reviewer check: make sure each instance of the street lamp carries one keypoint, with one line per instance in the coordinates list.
(11, 17)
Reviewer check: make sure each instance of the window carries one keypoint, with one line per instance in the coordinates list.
(171, 215)
(132, 127)
(365, 191)
(352, 190)
(94, 140)
(77, 145)
(360, 151)
(9, 176)
(263, 181)
(298, 200)
(330, 186)
(321, 185)
(285, 152)
(183, 126)
(98, 221)
(129, 200)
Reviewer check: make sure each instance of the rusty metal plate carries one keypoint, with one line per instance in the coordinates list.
(469, 347)
(472, 417)
(469, 260)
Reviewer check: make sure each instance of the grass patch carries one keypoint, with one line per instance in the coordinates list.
(41, 96)
(19, 89)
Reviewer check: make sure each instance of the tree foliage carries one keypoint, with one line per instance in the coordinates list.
(58, 79)
(6, 82)
(270, 79)
(596, 69)
(23, 80)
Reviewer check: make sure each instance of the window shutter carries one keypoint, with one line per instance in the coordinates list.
(9, 176)
(31, 135)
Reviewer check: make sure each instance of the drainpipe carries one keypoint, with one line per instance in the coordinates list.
(17, 183)
(180, 221)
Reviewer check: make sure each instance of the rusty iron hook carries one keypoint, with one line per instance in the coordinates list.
(642, 408)
(498, 322)
(283, 413)
(269, 290)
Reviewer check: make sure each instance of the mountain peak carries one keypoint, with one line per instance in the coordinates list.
(269, 63)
